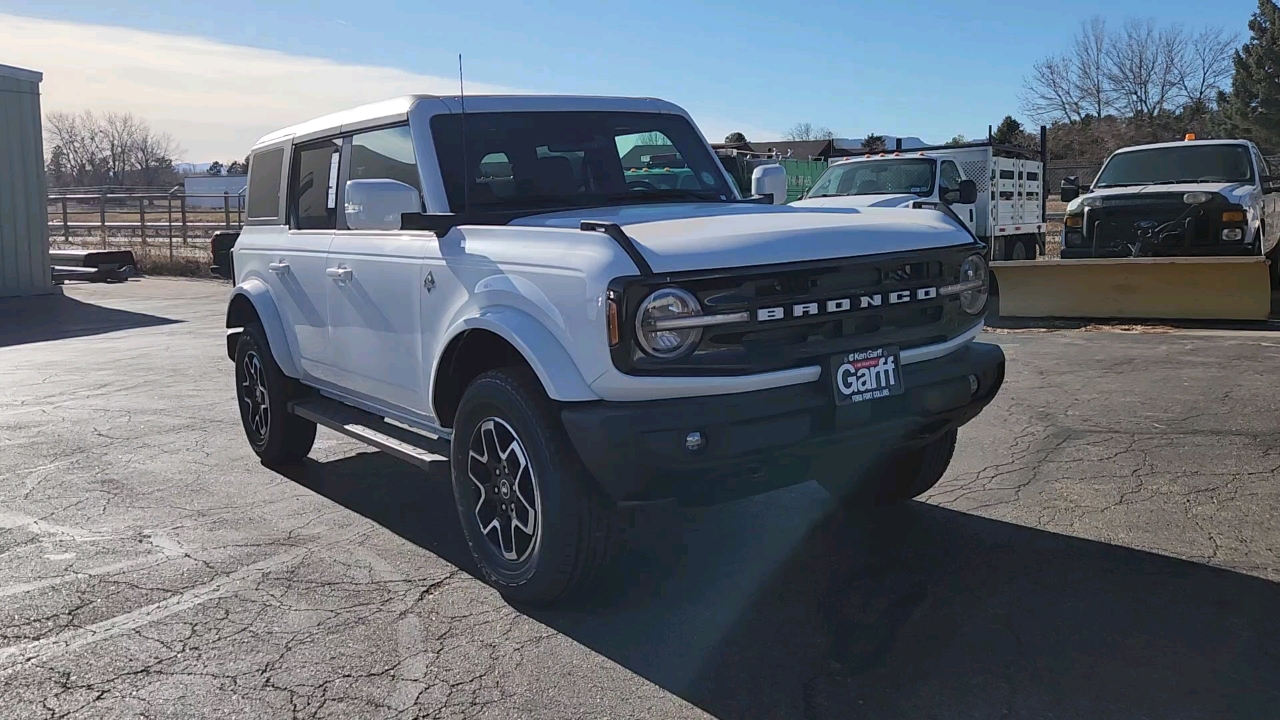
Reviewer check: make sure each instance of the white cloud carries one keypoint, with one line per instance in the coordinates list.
(215, 98)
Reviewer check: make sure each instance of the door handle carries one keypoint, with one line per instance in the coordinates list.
(278, 267)
(340, 273)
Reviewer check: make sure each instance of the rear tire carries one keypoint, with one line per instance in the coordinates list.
(263, 392)
(1020, 250)
(531, 514)
(898, 477)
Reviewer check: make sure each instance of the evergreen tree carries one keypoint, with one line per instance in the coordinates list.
(1252, 108)
(1008, 132)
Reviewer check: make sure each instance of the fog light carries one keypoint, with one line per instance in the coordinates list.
(973, 384)
(694, 442)
(1233, 234)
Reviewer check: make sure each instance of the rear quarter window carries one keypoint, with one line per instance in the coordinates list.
(264, 184)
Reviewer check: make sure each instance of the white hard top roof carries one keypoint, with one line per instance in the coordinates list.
(397, 109)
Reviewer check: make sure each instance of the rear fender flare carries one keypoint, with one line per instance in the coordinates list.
(259, 294)
(550, 361)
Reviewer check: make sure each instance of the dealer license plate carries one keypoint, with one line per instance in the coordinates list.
(866, 375)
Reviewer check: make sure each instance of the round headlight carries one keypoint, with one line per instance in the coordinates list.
(974, 269)
(665, 304)
(1197, 198)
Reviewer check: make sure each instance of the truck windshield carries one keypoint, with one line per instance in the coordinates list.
(877, 177)
(1168, 165)
(532, 160)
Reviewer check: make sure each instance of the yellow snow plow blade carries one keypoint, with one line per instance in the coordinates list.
(1202, 288)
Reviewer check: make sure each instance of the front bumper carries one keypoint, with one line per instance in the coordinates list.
(762, 440)
(1233, 250)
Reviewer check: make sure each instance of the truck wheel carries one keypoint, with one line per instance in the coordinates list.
(899, 477)
(535, 524)
(1018, 250)
(264, 391)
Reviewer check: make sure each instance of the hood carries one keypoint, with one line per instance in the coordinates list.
(1231, 190)
(858, 201)
(706, 236)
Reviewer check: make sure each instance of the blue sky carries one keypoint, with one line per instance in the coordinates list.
(924, 67)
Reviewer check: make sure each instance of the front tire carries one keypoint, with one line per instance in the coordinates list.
(264, 391)
(532, 518)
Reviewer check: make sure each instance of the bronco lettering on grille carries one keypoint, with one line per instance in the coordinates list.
(846, 304)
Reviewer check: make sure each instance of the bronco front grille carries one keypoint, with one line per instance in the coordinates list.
(803, 312)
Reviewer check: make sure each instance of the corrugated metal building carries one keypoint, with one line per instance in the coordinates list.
(24, 225)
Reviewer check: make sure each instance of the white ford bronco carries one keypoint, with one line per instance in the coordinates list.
(496, 279)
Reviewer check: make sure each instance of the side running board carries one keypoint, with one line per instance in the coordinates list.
(405, 444)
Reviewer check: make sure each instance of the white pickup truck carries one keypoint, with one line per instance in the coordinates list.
(995, 190)
(491, 285)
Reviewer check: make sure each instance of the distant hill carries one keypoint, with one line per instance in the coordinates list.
(191, 168)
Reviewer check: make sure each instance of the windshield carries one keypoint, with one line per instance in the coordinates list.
(1168, 165)
(531, 160)
(878, 177)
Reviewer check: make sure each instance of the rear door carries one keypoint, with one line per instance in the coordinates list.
(296, 267)
(375, 284)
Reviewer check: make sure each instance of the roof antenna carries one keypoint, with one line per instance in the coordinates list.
(462, 96)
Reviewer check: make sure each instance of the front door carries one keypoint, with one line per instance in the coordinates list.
(949, 182)
(1270, 205)
(375, 282)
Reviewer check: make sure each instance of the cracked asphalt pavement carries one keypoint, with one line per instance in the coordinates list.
(1105, 545)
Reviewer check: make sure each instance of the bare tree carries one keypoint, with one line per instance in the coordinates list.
(1089, 68)
(1204, 66)
(808, 131)
(120, 132)
(652, 138)
(1139, 70)
(152, 158)
(73, 139)
(1142, 67)
(1050, 92)
(108, 149)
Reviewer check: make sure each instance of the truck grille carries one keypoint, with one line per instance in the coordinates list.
(805, 312)
(1122, 221)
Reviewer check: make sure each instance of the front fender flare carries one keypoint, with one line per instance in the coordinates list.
(553, 365)
(259, 294)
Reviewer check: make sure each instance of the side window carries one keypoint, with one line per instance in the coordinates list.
(1262, 164)
(385, 155)
(949, 176)
(264, 185)
(313, 186)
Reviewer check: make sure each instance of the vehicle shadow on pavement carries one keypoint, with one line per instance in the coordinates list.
(58, 317)
(778, 606)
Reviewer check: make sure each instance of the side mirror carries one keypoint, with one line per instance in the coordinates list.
(378, 204)
(968, 192)
(770, 180)
(1070, 188)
